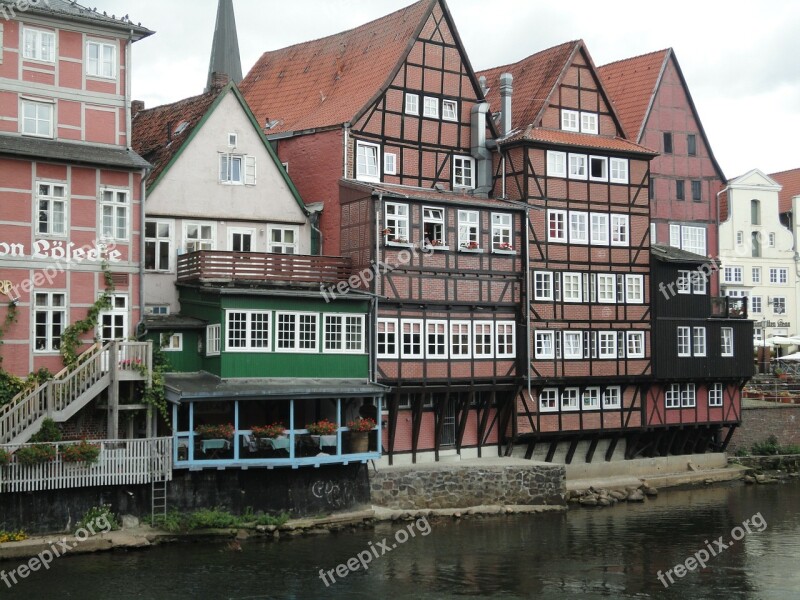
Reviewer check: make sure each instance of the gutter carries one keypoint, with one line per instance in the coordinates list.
(141, 325)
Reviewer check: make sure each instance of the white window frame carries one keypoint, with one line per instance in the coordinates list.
(546, 279)
(213, 339)
(114, 209)
(174, 343)
(483, 341)
(699, 345)
(715, 395)
(634, 342)
(672, 395)
(556, 164)
(590, 399)
(606, 288)
(505, 338)
(48, 118)
(413, 324)
(389, 163)
(296, 344)
(412, 104)
(366, 153)
(699, 283)
(755, 275)
(41, 52)
(578, 227)
(558, 218)
(606, 344)
(200, 241)
(468, 228)
(282, 246)
(49, 310)
(620, 230)
(434, 216)
(570, 120)
(779, 301)
(571, 399)
(612, 397)
(618, 170)
(439, 330)
(449, 110)
(732, 274)
(543, 339)
(739, 238)
(589, 122)
(684, 341)
(578, 166)
(684, 282)
(463, 172)
(233, 140)
(460, 340)
(158, 241)
(598, 229)
(338, 338)
(778, 276)
(396, 219)
(502, 230)
(227, 174)
(604, 162)
(634, 294)
(572, 287)
(572, 344)
(756, 304)
(693, 239)
(726, 341)
(264, 318)
(56, 206)
(688, 395)
(103, 66)
(430, 107)
(548, 400)
(771, 240)
(388, 328)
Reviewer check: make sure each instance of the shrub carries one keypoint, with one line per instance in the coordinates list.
(12, 536)
(769, 447)
(100, 518)
(48, 432)
(212, 518)
(35, 454)
(5, 457)
(82, 452)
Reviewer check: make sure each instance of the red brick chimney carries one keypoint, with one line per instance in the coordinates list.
(137, 106)
(219, 80)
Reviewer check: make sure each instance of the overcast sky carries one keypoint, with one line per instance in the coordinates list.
(741, 59)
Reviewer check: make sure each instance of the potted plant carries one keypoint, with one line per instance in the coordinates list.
(215, 432)
(35, 454)
(780, 373)
(84, 452)
(470, 245)
(386, 231)
(359, 434)
(323, 432)
(268, 431)
(506, 246)
(400, 240)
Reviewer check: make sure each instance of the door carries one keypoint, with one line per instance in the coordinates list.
(449, 424)
(240, 240)
(114, 323)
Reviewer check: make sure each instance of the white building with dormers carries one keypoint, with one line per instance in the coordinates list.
(756, 253)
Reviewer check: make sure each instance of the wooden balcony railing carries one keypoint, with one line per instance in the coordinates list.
(727, 307)
(210, 266)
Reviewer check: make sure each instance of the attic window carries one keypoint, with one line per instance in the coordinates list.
(181, 127)
(233, 140)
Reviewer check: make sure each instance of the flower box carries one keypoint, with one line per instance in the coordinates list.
(215, 432)
(323, 427)
(83, 452)
(268, 431)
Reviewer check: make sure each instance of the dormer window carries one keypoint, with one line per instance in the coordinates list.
(579, 122)
(569, 120)
(589, 122)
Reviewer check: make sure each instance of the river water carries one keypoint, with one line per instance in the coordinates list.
(613, 552)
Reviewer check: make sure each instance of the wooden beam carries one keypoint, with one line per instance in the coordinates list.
(394, 404)
(416, 424)
(670, 442)
(551, 451)
(572, 447)
(611, 448)
(531, 448)
(728, 438)
(483, 417)
(592, 448)
(463, 417)
(439, 421)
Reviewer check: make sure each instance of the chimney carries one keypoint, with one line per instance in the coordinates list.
(137, 106)
(506, 90)
(219, 81)
(482, 83)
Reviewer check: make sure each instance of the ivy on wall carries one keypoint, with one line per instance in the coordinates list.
(71, 336)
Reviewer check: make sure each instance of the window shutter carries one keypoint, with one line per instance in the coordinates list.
(250, 170)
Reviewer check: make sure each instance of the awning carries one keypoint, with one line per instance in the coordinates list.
(780, 341)
(202, 386)
(790, 357)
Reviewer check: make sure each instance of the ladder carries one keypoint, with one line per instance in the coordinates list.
(158, 496)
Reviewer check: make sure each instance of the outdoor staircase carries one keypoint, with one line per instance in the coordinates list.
(63, 396)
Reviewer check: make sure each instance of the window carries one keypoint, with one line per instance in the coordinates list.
(198, 237)
(672, 396)
(569, 399)
(599, 229)
(588, 122)
(577, 166)
(699, 338)
(502, 236)
(653, 232)
(691, 144)
(779, 305)
(344, 333)
(612, 397)
(157, 309)
(732, 275)
(235, 169)
(213, 339)
(387, 338)
(114, 209)
(619, 170)
(715, 394)
(571, 289)
(606, 289)
(688, 396)
(51, 214)
(411, 341)
(620, 232)
(569, 120)
(780, 276)
(755, 212)
(460, 343)
(505, 331)
(684, 282)
(37, 118)
(699, 283)
(598, 168)
(39, 45)
(390, 163)
(697, 194)
(157, 245)
(463, 172)
(412, 104)
(727, 341)
(172, 343)
(367, 161)
(548, 400)
(247, 331)
(556, 226)
(233, 140)
(771, 241)
(544, 346)
(296, 332)
(607, 344)
(651, 188)
(484, 339)
(578, 228)
(431, 108)
(667, 143)
(556, 164)
(634, 289)
(740, 238)
(573, 345)
(433, 226)
(436, 339)
(50, 318)
(467, 228)
(635, 343)
(680, 189)
(449, 110)
(755, 304)
(591, 398)
(282, 239)
(100, 60)
(755, 245)
(543, 285)
(684, 347)
(397, 221)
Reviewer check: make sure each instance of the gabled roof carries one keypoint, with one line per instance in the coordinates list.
(161, 134)
(633, 84)
(327, 82)
(745, 182)
(69, 10)
(790, 180)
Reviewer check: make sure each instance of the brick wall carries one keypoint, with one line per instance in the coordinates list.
(758, 423)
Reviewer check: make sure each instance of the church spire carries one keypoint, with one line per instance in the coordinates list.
(225, 57)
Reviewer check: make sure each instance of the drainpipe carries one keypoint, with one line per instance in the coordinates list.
(506, 91)
(375, 290)
(346, 140)
(128, 125)
(142, 198)
(481, 154)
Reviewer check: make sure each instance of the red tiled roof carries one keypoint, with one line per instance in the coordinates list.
(430, 195)
(631, 84)
(326, 82)
(583, 140)
(790, 180)
(159, 133)
(534, 80)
